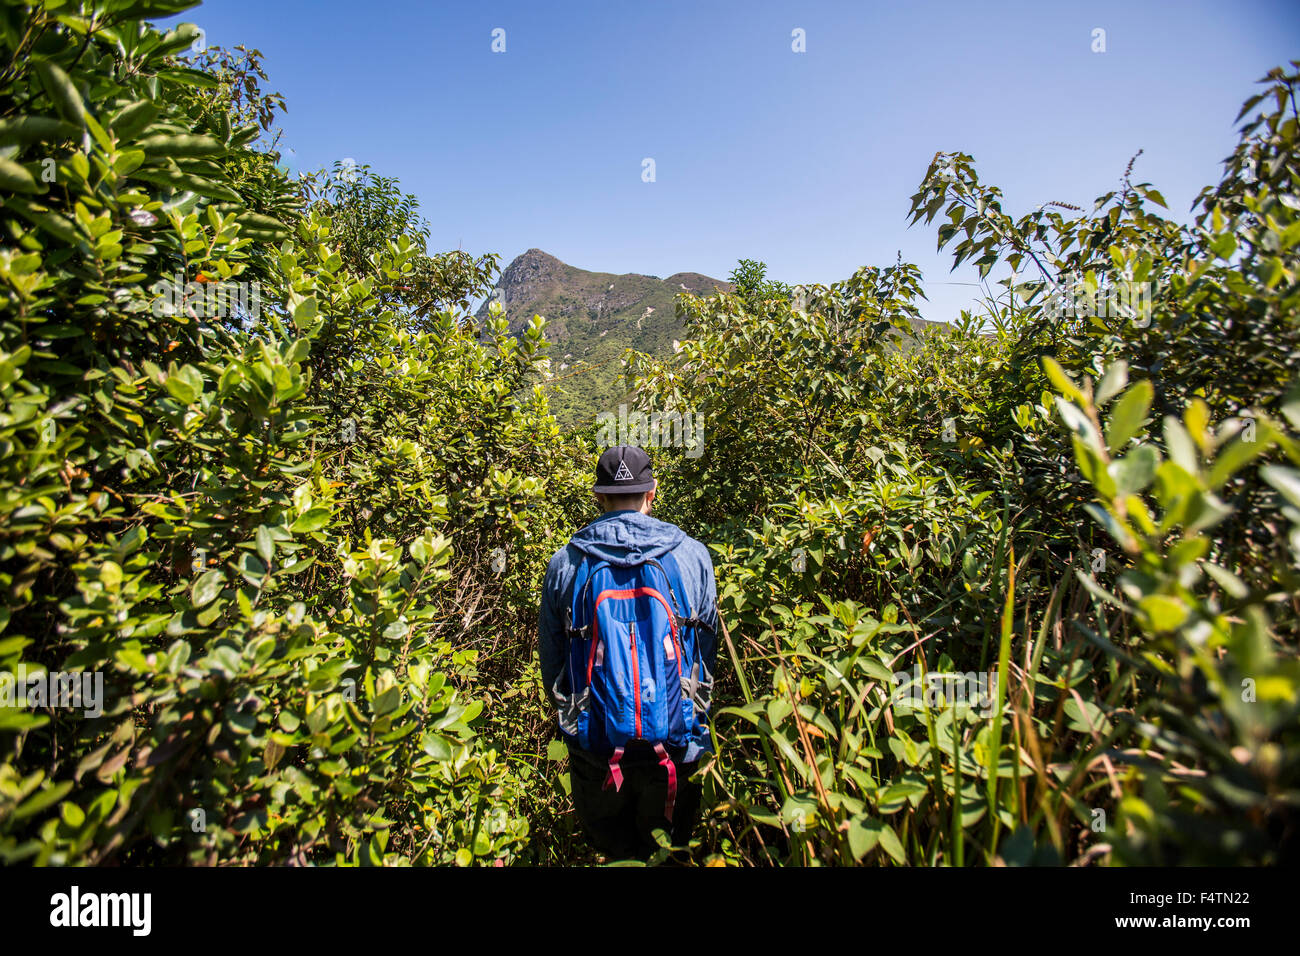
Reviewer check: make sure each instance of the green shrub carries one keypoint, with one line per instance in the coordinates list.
(888, 505)
(261, 588)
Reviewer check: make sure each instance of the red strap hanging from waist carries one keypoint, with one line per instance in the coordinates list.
(615, 777)
(667, 762)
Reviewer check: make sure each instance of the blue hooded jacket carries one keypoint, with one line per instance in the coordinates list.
(626, 538)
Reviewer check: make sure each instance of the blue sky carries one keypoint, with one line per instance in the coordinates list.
(804, 160)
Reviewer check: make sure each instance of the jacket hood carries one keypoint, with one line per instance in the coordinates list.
(625, 538)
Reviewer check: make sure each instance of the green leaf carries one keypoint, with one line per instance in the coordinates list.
(1093, 468)
(1181, 448)
(207, 587)
(1230, 583)
(265, 545)
(1196, 416)
(127, 161)
(24, 130)
(185, 384)
(245, 135)
(1134, 471)
(1112, 524)
(177, 39)
(72, 814)
(1286, 481)
(43, 799)
(1153, 195)
(436, 746)
(1087, 717)
(16, 178)
(252, 569)
(186, 181)
(1188, 550)
(1078, 422)
(1237, 454)
(1128, 415)
(52, 222)
(180, 145)
(189, 77)
(1164, 612)
(1112, 382)
(304, 312)
(1061, 380)
(387, 702)
(251, 222)
(132, 120)
(864, 833)
(1099, 592)
(311, 520)
(891, 845)
(1205, 511)
(60, 88)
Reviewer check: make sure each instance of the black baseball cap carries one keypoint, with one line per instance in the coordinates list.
(624, 470)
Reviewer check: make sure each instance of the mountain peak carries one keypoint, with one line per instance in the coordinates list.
(538, 282)
(535, 255)
(592, 317)
(532, 262)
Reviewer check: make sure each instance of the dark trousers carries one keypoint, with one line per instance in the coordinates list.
(621, 823)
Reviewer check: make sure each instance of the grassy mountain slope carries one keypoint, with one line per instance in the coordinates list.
(593, 317)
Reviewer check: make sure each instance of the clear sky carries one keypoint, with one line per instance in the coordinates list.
(804, 160)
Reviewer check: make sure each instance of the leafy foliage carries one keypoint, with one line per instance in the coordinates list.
(265, 476)
(186, 514)
(885, 517)
(750, 281)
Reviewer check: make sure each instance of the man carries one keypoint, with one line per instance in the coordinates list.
(626, 635)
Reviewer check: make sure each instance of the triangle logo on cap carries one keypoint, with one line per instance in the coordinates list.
(623, 473)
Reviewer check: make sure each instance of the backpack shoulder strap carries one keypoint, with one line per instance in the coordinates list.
(668, 565)
(681, 600)
(577, 609)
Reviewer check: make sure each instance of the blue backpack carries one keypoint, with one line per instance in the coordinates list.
(634, 666)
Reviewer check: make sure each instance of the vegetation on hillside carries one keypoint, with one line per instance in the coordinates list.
(263, 473)
(593, 319)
